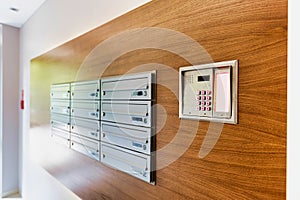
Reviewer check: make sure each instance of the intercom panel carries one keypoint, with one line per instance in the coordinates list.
(209, 92)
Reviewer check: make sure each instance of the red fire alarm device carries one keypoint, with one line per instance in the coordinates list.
(22, 101)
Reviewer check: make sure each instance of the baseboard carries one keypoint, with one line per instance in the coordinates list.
(5, 194)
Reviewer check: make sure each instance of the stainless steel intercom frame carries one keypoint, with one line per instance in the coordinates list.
(233, 64)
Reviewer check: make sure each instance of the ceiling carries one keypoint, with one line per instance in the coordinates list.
(17, 12)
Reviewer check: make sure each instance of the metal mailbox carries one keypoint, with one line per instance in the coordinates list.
(60, 121)
(86, 109)
(130, 137)
(133, 163)
(86, 90)
(128, 87)
(60, 136)
(132, 112)
(86, 127)
(60, 107)
(60, 91)
(86, 146)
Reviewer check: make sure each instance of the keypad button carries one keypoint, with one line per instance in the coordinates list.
(208, 108)
(199, 92)
(198, 98)
(203, 97)
(203, 92)
(208, 97)
(203, 103)
(208, 92)
(208, 103)
(198, 108)
(203, 108)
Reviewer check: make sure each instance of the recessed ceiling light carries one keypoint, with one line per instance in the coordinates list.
(14, 9)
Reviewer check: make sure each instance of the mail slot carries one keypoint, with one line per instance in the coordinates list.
(86, 146)
(60, 121)
(60, 107)
(128, 87)
(86, 109)
(86, 90)
(86, 127)
(60, 137)
(133, 163)
(60, 91)
(131, 137)
(133, 112)
(61, 133)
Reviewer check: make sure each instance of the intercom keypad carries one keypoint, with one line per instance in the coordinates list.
(203, 100)
(209, 92)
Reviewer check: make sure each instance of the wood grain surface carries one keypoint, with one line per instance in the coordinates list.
(248, 160)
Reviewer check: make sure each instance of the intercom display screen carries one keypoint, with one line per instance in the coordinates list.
(203, 78)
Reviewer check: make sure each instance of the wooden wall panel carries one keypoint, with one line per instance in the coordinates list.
(249, 159)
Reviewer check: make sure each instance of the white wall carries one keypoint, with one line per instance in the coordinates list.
(9, 109)
(56, 22)
(1, 113)
(293, 134)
